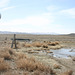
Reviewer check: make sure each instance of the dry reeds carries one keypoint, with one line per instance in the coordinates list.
(3, 65)
(56, 42)
(10, 73)
(26, 45)
(56, 66)
(53, 43)
(5, 55)
(20, 55)
(37, 44)
(31, 65)
(67, 73)
(45, 46)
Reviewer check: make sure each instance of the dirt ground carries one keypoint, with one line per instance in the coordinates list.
(59, 65)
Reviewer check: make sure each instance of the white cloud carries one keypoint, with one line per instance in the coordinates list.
(4, 3)
(7, 8)
(69, 12)
(38, 20)
(34, 21)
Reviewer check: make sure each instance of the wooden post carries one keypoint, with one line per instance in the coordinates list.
(14, 41)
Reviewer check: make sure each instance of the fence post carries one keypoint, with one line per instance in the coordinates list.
(14, 41)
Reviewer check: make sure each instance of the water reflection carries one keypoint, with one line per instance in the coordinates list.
(63, 53)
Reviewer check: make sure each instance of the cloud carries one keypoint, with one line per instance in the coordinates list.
(3, 3)
(69, 12)
(34, 21)
(7, 8)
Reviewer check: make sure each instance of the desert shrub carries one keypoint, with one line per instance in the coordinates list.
(67, 73)
(20, 55)
(26, 64)
(37, 44)
(28, 45)
(11, 52)
(10, 73)
(4, 66)
(56, 42)
(1, 60)
(56, 66)
(26, 73)
(49, 51)
(5, 55)
(52, 44)
(32, 65)
(45, 46)
(23, 44)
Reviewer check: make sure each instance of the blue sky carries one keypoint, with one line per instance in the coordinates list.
(38, 16)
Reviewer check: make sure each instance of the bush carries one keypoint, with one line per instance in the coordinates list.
(37, 44)
(4, 66)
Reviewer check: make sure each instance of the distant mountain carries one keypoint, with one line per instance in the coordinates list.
(8, 32)
(40, 33)
(72, 34)
(35, 33)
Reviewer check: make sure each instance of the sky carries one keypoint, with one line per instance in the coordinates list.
(41, 16)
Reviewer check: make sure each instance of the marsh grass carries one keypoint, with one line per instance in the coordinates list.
(37, 44)
(5, 55)
(69, 72)
(45, 46)
(26, 45)
(4, 65)
(31, 65)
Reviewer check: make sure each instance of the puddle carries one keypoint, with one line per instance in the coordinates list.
(63, 53)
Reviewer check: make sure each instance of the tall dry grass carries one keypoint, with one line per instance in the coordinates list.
(32, 65)
(45, 45)
(5, 54)
(26, 45)
(3, 65)
(36, 44)
(70, 72)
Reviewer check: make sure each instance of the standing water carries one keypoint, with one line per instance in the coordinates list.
(63, 53)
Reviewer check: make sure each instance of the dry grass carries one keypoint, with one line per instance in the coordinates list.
(32, 51)
(1, 60)
(37, 44)
(56, 66)
(67, 73)
(26, 45)
(53, 43)
(45, 46)
(57, 43)
(4, 65)
(20, 55)
(32, 65)
(10, 73)
(5, 55)
(49, 52)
